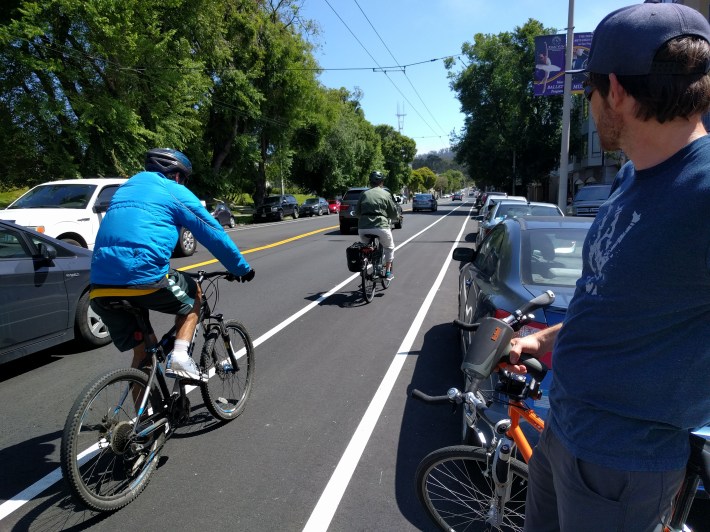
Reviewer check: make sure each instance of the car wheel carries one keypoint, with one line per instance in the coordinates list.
(186, 244)
(295, 214)
(398, 224)
(344, 229)
(73, 242)
(90, 330)
(232, 223)
(280, 216)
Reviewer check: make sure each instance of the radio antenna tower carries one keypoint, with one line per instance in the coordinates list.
(400, 118)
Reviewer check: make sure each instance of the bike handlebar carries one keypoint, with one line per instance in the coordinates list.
(418, 394)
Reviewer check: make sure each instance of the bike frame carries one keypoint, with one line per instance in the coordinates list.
(516, 411)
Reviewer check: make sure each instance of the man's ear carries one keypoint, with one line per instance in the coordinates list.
(617, 94)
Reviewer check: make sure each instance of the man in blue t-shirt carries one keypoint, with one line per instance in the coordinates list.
(631, 358)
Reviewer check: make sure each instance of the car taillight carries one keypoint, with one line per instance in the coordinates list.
(528, 328)
(343, 206)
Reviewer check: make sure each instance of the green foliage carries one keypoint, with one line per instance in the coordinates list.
(425, 177)
(505, 125)
(86, 86)
(398, 152)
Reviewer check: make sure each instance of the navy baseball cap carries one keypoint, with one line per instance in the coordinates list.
(626, 40)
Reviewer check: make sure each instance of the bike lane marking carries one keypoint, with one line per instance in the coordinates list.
(329, 501)
(28, 494)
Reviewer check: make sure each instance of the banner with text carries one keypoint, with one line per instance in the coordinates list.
(550, 63)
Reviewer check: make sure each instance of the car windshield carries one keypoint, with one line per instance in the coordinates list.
(271, 200)
(311, 201)
(56, 197)
(352, 195)
(514, 211)
(552, 256)
(592, 193)
(422, 197)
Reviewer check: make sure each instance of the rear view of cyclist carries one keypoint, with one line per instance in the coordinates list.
(374, 210)
(131, 259)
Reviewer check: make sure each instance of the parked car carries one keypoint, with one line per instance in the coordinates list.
(346, 214)
(314, 206)
(492, 200)
(424, 202)
(45, 287)
(71, 210)
(276, 208)
(334, 206)
(588, 199)
(222, 213)
(481, 199)
(518, 260)
(500, 210)
(457, 196)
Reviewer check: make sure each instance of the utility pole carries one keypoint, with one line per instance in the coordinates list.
(566, 104)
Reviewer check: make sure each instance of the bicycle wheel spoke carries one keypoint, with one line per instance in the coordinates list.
(455, 485)
(104, 461)
(230, 364)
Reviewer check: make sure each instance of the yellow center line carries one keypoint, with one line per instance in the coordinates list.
(298, 237)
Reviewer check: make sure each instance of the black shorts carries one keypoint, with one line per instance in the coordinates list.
(177, 298)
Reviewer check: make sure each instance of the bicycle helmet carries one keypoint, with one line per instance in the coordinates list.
(167, 161)
(376, 179)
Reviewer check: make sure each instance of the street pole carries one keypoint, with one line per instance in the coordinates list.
(566, 105)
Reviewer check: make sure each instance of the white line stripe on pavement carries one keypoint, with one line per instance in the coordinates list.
(330, 499)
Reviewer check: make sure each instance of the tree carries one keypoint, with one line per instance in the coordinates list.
(398, 152)
(337, 147)
(426, 177)
(505, 126)
(87, 86)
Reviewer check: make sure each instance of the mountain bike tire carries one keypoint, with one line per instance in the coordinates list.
(98, 462)
(226, 392)
(455, 486)
(368, 282)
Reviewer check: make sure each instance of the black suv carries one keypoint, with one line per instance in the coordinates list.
(347, 207)
(276, 207)
(588, 199)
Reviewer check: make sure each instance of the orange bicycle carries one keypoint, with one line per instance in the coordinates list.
(483, 487)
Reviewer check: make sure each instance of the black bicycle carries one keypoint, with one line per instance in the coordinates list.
(373, 267)
(117, 427)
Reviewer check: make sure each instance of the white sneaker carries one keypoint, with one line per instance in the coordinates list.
(179, 367)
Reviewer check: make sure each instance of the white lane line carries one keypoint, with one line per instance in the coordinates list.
(55, 476)
(330, 499)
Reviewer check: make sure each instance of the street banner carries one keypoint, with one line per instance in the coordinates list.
(550, 63)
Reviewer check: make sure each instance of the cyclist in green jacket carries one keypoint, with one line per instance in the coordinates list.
(374, 210)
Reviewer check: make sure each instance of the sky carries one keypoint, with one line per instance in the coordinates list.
(361, 44)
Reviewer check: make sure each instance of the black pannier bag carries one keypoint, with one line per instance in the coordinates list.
(354, 256)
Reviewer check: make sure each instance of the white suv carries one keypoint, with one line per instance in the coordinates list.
(71, 210)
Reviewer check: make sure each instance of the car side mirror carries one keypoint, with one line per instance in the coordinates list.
(100, 207)
(46, 252)
(478, 217)
(463, 254)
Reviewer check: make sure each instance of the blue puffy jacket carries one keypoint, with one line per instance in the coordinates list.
(141, 228)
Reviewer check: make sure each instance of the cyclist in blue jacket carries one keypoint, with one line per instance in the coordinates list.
(131, 259)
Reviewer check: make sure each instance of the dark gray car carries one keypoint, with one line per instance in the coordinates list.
(346, 215)
(276, 207)
(44, 284)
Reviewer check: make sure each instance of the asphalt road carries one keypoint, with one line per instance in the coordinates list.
(330, 439)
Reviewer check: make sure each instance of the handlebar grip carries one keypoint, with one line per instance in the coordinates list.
(536, 367)
(417, 394)
(543, 300)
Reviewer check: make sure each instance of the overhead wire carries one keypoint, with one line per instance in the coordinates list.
(397, 62)
(385, 72)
